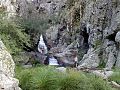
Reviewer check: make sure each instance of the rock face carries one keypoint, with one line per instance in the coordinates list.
(99, 22)
(7, 80)
(9, 6)
(99, 19)
(36, 7)
(90, 60)
(92, 24)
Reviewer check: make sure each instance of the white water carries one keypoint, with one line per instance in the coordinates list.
(42, 48)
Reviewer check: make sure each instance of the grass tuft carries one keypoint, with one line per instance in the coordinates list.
(48, 78)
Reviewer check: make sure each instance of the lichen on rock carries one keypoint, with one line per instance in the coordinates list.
(7, 66)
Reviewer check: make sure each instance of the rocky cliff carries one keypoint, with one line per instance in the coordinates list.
(100, 19)
(7, 66)
(95, 25)
(90, 26)
(8, 6)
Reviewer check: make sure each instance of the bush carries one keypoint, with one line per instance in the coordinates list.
(99, 84)
(47, 78)
(13, 36)
(34, 24)
(75, 81)
(39, 78)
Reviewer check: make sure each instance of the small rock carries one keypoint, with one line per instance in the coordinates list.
(27, 66)
(61, 69)
(103, 74)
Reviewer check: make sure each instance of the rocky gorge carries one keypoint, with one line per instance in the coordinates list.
(88, 28)
(92, 26)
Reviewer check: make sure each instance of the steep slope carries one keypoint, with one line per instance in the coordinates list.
(101, 19)
(99, 22)
(90, 26)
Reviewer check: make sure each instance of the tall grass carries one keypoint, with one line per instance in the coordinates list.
(98, 83)
(48, 78)
(116, 76)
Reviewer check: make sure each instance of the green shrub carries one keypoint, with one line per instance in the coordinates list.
(47, 78)
(24, 77)
(34, 24)
(75, 81)
(13, 36)
(98, 43)
(99, 84)
(37, 78)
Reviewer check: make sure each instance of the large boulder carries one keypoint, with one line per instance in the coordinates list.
(67, 55)
(117, 37)
(37, 7)
(7, 66)
(90, 60)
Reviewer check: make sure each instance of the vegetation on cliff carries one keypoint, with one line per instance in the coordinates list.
(13, 36)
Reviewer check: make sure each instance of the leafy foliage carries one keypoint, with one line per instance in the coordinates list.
(98, 83)
(13, 36)
(34, 24)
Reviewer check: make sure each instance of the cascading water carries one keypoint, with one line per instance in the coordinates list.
(42, 48)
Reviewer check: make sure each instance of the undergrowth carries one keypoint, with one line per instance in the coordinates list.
(47, 78)
(116, 76)
(13, 36)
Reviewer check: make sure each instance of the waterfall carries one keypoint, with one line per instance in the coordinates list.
(42, 48)
(88, 27)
